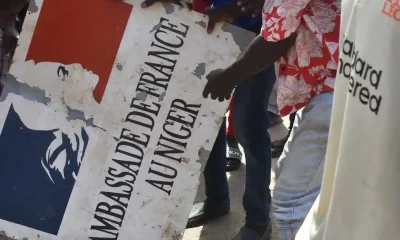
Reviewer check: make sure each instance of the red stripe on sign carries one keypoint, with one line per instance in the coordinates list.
(88, 32)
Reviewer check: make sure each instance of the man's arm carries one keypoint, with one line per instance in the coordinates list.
(259, 55)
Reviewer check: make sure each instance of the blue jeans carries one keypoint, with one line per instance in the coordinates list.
(300, 168)
(251, 124)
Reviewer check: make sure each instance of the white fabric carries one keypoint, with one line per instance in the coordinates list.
(360, 196)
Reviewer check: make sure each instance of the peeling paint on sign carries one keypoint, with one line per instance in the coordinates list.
(119, 66)
(203, 154)
(30, 93)
(156, 27)
(241, 39)
(202, 23)
(200, 70)
(33, 8)
(169, 8)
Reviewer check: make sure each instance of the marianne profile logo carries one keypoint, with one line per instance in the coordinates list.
(38, 169)
(391, 8)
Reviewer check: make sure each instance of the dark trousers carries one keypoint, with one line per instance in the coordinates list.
(251, 124)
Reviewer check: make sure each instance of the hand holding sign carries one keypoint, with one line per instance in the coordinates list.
(220, 85)
(218, 14)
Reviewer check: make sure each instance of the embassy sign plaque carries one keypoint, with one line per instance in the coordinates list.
(103, 128)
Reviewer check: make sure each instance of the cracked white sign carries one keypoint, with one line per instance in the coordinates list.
(103, 127)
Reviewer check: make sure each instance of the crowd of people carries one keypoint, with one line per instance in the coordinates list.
(338, 170)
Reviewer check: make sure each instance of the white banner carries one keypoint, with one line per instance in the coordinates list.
(103, 127)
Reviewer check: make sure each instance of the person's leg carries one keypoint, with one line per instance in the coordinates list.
(216, 182)
(251, 123)
(272, 101)
(299, 169)
(217, 203)
(273, 110)
(278, 145)
(233, 154)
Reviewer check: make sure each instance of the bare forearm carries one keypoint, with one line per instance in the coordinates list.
(259, 56)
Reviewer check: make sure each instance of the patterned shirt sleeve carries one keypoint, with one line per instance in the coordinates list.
(282, 18)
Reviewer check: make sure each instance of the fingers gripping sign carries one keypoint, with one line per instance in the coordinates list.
(218, 14)
(219, 85)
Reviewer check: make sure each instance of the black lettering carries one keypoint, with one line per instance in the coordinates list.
(173, 174)
(366, 72)
(127, 165)
(358, 84)
(359, 66)
(176, 135)
(114, 210)
(173, 116)
(172, 27)
(159, 82)
(340, 69)
(117, 197)
(348, 48)
(159, 54)
(146, 120)
(347, 70)
(111, 181)
(131, 147)
(375, 78)
(364, 95)
(135, 138)
(169, 150)
(355, 57)
(172, 45)
(146, 107)
(351, 84)
(354, 54)
(103, 238)
(161, 184)
(142, 87)
(375, 103)
(182, 144)
(107, 227)
(161, 68)
(182, 105)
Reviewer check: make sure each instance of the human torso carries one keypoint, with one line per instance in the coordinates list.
(309, 67)
(360, 193)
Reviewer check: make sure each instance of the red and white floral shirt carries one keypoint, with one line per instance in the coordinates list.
(309, 67)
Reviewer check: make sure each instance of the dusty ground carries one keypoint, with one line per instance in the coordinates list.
(227, 227)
